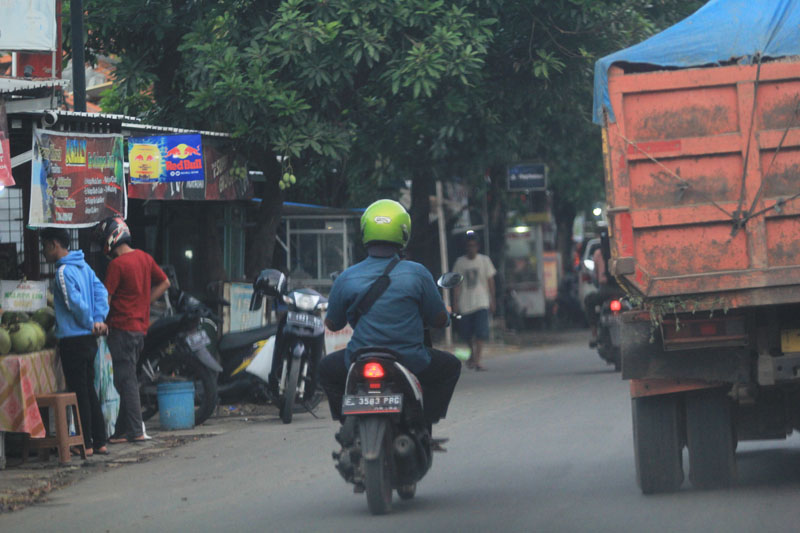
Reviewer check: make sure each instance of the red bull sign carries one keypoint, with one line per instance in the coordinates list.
(165, 159)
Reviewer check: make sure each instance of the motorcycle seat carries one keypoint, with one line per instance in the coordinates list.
(243, 339)
(371, 351)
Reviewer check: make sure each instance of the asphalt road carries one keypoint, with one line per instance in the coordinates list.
(540, 442)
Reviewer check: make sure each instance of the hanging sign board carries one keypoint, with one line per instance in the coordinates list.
(77, 179)
(6, 179)
(165, 159)
(23, 295)
(527, 177)
(28, 25)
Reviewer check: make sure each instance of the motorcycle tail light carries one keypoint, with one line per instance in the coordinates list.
(615, 306)
(373, 371)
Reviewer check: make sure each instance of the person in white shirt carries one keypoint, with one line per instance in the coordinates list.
(475, 298)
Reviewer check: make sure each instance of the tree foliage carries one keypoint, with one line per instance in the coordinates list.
(357, 96)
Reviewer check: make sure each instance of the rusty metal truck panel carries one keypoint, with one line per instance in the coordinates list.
(703, 182)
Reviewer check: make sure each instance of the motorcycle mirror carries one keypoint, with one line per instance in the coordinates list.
(450, 280)
(255, 301)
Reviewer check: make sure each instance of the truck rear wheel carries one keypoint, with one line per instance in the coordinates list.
(710, 439)
(657, 443)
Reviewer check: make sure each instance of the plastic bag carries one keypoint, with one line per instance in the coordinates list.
(104, 385)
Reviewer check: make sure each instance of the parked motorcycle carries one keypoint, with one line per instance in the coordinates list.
(176, 348)
(608, 330)
(386, 443)
(289, 366)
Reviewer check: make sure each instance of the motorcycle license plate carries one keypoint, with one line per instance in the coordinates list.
(373, 404)
(197, 339)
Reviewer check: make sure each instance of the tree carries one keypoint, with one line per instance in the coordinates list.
(353, 96)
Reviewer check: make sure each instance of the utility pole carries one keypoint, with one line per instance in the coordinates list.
(448, 333)
(78, 60)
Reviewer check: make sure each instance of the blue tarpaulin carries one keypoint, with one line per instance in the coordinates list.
(719, 32)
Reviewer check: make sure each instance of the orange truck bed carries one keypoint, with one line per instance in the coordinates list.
(702, 182)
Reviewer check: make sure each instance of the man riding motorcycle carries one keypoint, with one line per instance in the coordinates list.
(396, 319)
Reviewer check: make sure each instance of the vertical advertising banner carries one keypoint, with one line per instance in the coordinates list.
(77, 180)
(6, 179)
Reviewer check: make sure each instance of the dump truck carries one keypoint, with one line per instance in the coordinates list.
(701, 148)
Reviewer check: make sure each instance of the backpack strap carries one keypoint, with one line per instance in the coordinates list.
(374, 292)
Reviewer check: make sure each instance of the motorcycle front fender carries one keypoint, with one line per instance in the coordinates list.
(205, 357)
(372, 430)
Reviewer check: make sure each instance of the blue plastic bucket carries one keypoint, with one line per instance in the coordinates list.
(176, 405)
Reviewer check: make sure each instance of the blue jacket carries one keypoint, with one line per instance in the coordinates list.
(398, 318)
(80, 297)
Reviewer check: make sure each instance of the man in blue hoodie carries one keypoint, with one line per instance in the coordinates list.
(81, 304)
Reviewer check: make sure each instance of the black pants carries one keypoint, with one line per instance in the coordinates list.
(438, 382)
(592, 300)
(77, 359)
(125, 347)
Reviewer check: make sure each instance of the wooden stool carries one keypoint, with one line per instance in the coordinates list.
(62, 439)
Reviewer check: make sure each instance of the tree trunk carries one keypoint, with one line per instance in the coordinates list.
(424, 241)
(564, 213)
(498, 207)
(262, 247)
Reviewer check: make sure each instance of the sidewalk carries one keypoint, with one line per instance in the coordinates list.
(22, 484)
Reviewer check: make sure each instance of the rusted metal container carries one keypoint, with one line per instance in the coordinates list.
(703, 183)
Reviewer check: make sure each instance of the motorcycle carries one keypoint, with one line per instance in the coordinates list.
(386, 442)
(608, 330)
(287, 365)
(176, 348)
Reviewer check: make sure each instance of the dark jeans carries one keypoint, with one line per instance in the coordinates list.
(605, 292)
(438, 382)
(125, 347)
(77, 359)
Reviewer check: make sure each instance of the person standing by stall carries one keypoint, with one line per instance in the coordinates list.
(475, 300)
(81, 306)
(134, 281)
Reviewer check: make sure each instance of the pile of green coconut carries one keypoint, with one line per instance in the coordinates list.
(24, 333)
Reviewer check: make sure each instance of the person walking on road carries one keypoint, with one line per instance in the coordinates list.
(475, 298)
(81, 306)
(134, 281)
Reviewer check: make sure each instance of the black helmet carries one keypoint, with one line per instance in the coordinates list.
(112, 232)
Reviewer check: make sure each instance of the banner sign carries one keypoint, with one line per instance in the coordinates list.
(165, 159)
(23, 295)
(6, 179)
(222, 179)
(527, 177)
(77, 180)
(28, 25)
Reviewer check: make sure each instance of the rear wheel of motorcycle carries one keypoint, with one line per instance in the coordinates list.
(378, 480)
(205, 390)
(406, 492)
(290, 392)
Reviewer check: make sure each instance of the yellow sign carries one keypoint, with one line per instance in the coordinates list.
(790, 340)
(145, 161)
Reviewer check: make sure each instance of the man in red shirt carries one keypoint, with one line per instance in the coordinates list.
(134, 281)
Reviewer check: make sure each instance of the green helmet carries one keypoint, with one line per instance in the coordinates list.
(386, 221)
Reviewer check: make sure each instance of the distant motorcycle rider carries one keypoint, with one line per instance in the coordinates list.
(608, 288)
(398, 317)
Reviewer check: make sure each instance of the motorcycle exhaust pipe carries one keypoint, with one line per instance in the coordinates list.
(404, 446)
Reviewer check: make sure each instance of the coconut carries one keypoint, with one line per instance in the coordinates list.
(14, 317)
(45, 317)
(41, 336)
(5, 341)
(24, 338)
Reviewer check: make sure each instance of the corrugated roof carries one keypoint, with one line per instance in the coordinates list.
(168, 129)
(12, 85)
